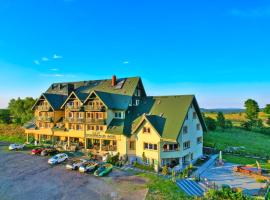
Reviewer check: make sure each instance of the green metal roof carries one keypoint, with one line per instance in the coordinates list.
(116, 126)
(166, 113)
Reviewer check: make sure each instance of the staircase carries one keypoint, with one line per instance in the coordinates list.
(190, 187)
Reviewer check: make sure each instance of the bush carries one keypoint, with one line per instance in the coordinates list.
(113, 159)
(165, 170)
(143, 167)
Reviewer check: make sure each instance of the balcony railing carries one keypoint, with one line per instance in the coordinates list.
(94, 108)
(43, 108)
(96, 121)
(77, 120)
(109, 148)
(45, 118)
(73, 107)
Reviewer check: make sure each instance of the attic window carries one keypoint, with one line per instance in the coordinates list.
(146, 130)
(120, 84)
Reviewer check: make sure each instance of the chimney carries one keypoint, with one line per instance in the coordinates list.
(113, 80)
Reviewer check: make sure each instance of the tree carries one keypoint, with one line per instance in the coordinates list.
(5, 116)
(221, 120)
(268, 121)
(20, 109)
(267, 109)
(252, 110)
(228, 124)
(210, 123)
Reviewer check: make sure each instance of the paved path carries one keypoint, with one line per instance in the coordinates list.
(205, 166)
(225, 175)
(190, 187)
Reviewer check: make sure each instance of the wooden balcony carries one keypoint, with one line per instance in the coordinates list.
(73, 108)
(94, 108)
(96, 121)
(75, 120)
(43, 108)
(45, 118)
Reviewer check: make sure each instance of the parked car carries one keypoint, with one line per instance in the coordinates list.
(88, 166)
(103, 170)
(49, 151)
(58, 158)
(74, 164)
(16, 146)
(37, 151)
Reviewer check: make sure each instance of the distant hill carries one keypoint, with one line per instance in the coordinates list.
(224, 110)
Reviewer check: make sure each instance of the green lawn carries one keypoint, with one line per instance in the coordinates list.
(245, 161)
(254, 143)
(160, 188)
(13, 139)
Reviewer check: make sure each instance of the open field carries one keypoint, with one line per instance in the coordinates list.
(254, 144)
(237, 118)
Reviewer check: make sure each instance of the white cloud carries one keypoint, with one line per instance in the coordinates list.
(36, 62)
(125, 62)
(57, 56)
(45, 59)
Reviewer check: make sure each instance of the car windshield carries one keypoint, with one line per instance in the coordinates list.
(55, 157)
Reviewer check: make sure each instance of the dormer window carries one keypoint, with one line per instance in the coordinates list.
(118, 115)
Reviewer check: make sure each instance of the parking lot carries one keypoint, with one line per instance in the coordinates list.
(24, 176)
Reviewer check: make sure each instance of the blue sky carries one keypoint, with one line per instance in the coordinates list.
(217, 50)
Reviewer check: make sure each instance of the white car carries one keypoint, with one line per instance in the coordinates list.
(58, 158)
(75, 164)
(16, 146)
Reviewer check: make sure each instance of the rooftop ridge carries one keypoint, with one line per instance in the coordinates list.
(108, 79)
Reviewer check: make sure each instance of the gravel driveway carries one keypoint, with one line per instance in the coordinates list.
(27, 177)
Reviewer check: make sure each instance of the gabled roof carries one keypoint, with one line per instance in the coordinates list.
(166, 113)
(71, 94)
(54, 100)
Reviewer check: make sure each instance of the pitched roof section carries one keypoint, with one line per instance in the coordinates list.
(124, 86)
(54, 100)
(166, 113)
(114, 101)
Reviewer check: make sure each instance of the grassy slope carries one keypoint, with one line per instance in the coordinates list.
(237, 118)
(254, 143)
(160, 188)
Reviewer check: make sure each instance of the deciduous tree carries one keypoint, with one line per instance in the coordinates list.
(221, 120)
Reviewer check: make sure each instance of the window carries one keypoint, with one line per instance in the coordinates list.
(185, 129)
(78, 127)
(118, 115)
(199, 140)
(198, 127)
(137, 102)
(186, 145)
(150, 146)
(170, 147)
(40, 114)
(132, 145)
(187, 116)
(146, 130)
(101, 128)
(88, 115)
(100, 116)
(70, 115)
(97, 128)
(191, 156)
(194, 115)
(80, 115)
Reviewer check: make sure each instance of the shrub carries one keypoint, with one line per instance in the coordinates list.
(143, 167)
(165, 170)
(113, 159)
